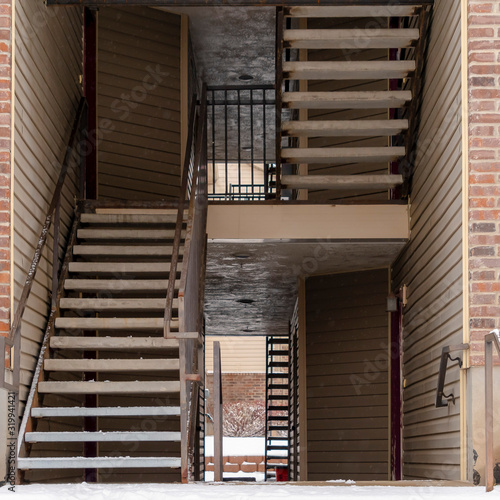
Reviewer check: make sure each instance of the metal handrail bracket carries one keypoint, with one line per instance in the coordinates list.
(445, 356)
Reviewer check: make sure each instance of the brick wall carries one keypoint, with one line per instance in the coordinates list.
(5, 161)
(240, 387)
(484, 171)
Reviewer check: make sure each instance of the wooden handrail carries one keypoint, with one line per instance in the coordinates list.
(180, 219)
(55, 202)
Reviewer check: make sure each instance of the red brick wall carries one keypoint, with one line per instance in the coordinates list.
(5, 160)
(484, 171)
(240, 387)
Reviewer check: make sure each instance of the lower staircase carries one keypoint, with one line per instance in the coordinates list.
(277, 405)
(106, 397)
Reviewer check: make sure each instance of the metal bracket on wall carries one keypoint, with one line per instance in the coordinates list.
(7, 352)
(441, 398)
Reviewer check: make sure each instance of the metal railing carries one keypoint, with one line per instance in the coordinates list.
(445, 356)
(11, 346)
(241, 129)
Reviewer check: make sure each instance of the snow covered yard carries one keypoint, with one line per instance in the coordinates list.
(241, 492)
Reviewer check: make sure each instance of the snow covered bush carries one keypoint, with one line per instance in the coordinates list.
(244, 419)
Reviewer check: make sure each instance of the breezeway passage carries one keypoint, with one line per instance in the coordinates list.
(243, 492)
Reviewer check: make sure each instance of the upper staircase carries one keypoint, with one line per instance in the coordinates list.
(351, 80)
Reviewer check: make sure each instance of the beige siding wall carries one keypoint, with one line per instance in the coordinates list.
(431, 265)
(347, 333)
(139, 104)
(239, 354)
(48, 65)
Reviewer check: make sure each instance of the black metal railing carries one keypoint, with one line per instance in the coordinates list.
(241, 123)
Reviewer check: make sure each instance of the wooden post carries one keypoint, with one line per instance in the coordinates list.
(218, 430)
(488, 411)
(184, 410)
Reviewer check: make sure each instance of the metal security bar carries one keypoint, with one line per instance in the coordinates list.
(241, 125)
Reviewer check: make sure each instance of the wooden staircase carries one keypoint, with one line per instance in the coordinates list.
(339, 126)
(107, 397)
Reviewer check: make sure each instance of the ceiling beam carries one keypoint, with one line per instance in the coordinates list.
(233, 3)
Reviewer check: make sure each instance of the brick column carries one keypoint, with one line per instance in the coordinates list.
(484, 171)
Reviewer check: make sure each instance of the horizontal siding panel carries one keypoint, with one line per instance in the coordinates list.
(47, 92)
(431, 264)
(347, 375)
(139, 104)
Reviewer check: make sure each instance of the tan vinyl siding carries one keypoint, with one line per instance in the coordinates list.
(138, 103)
(347, 376)
(239, 354)
(48, 66)
(431, 264)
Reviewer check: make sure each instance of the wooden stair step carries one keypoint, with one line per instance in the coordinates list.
(278, 408)
(110, 365)
(100, 437)
(128, 387)
(128, 250)
(342, 182)
(89, 304)
(117, 285)
(113, 343)
(278, 387)
(344, 128)
(347, 100)
(127, 234)
(130, 218)
(113, 323)
(279, 340)
(346, 70)
(274, 397)
(120, 267)
(354, 11)
(350, 38)
(338, 156)
(118, 411)
(99, 462)
(279, 353)
(278, 428)
(276, 447)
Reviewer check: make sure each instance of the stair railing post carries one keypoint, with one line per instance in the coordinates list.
(218, 424)
(279, 94)
(490, 339)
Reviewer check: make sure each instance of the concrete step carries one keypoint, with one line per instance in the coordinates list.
(119, 411)
(131, 218)
(125, 250)
(148, 387)
(127, 234)
(344, 128)
(113, 323)
(117, 285)
(100, 437)
(113, 343)
(121, 267)
(338, 156)
(89, 304)
(342, 182)
(346, 70)
(110, 365)
(347, 100)
(97, 463)
(350, 38)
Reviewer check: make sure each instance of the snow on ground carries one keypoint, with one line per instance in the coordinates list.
(240, 447)
(237, 446)
(233, 491)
